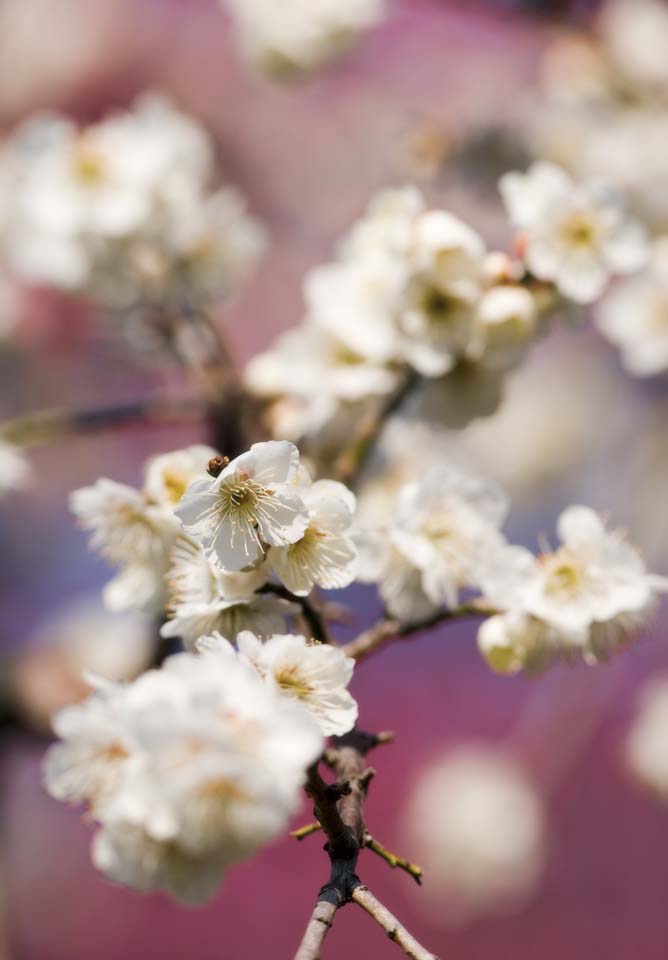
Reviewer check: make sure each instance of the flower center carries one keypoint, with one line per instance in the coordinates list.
(563, 575)
(579, 230)
(87, 164)
(175, 485)
(292, 683)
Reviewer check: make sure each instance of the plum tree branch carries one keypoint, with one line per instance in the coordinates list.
(45, 425)
(388, 629)
(392, 927)
(314, 620)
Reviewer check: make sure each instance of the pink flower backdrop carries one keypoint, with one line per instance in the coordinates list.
(417, 99)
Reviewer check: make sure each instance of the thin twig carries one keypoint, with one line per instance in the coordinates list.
(306, 831)
(388, 630)
(392, 859)
(314, 620)
(353, 459)
(316, 931)
(392, 927)
(46, 425)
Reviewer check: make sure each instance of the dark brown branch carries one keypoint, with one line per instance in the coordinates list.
(388, 630)
(45, 425)
(314, 620)
(392, 927)
(351, 462)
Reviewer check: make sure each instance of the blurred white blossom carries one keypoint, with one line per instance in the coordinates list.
(15, 470)
(443, 527)
(477, 825)
(300, 34)
(646, 748)
(582, 601)
(575, 235)
(188, 769)
(634, 316)
(136, 529)
(122, 211)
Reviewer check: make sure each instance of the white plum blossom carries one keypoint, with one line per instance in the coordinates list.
(122, 210)
(634, 316)
(168, 475)
(582, 601)
(253, 503)
(203, 599)
(15, 470)
(444, 526)
(300, 35)
(646, 745)
(131, 533)
(477, 824)
(188, 770)
(575, 235)
(314, 674)
(325, 555)
(635, 37)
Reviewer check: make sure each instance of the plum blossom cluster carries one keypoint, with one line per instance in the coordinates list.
(414, 289)
(136, 530)
(300, 35)
(123, 210)
(207, 547)
(187, 770)
(581, 601)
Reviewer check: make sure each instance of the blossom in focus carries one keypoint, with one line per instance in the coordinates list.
(202, 599)
(477, 825)
(188, 770)
(634, 316)
(444, 526)
(645, 749)
(15, 470)
(584, 600)
(316, 675)
(575, 235)
(254, 502)
(325, 555)
(300, 35)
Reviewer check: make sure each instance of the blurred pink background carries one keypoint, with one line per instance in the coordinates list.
(307, 155)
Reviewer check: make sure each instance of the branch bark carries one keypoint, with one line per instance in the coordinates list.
(392, 927)
(44, 425)
(316, 931)
(388, 630)
(314, 620)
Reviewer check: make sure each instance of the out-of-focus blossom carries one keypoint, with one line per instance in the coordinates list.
(15, 470)
(300, 35)
(316, 675)
(646, 748)
(121, 210)
(575, 235)
(137, 529)
(477, 825)
(444, 526)
(635, 37)
(583, 601)
(410, 288)
(202, 599)
(634, 316)
(188, 769)
(253, 502)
